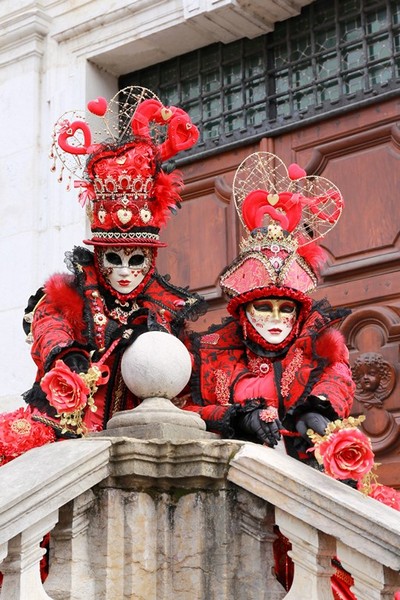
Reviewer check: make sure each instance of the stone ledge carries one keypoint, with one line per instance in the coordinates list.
(138, 464)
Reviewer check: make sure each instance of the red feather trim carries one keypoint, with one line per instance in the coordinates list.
(167, 193)
(65, 298)
(332, 346)
(314, 255)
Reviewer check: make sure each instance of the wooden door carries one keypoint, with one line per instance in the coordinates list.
(360, 152)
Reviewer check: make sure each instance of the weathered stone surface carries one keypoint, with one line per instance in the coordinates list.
(166, 464)
(157, 418)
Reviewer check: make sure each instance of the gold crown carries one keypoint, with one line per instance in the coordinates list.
(112, 188)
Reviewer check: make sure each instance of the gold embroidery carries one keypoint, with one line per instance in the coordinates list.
(290, 372)
(222, 391)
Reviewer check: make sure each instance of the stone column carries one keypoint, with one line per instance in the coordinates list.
(372, 580)
(21, 568)
(70, 573)
(170, 522)
(312, 552)
(256, 579)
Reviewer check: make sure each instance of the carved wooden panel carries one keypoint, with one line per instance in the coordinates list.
(373, 336)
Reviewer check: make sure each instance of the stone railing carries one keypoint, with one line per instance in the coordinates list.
(323, 518)
(34, 489)
(157, 519)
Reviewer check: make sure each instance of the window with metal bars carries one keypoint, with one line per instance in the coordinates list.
(335, 55)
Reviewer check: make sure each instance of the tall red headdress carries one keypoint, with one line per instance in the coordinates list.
(121, 181)
(285, 212)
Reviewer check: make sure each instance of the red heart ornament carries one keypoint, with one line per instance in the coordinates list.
(98, 106)
(182, 134)
(296, 172)
(70, 134)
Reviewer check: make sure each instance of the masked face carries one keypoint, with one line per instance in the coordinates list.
(125, 268)
(272, 318)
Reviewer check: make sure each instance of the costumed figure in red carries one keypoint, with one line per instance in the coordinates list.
(279, 365)
(80, 323)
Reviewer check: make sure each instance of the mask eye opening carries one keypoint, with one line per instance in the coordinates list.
(113, 258)
(137, 260)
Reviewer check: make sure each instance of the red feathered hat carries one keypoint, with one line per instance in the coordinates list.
(127, 193)
(284, 212)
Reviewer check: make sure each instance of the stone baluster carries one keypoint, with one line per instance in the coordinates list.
(312, 552)
(70, 573)
(372, 580)
(256, 521)
(21, 568)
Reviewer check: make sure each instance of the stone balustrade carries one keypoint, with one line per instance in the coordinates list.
(322, 518)
(157, 519)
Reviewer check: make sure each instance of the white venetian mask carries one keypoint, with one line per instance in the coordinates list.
(125, 268)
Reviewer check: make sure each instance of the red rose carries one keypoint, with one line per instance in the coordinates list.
(19, 433)
(65, 390)
(386, 495)
(346, 454)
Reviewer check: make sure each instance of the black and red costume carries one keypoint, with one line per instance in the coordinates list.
(233, 375)
(75, 313)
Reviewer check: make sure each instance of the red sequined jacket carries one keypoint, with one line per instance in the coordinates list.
(72, 313)
(231, 376)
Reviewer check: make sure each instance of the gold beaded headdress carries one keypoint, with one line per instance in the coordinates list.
(284, 212)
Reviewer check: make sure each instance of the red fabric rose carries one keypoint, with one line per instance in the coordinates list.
(19, 433)
(386, 495)
(65, 390)
(346, 454)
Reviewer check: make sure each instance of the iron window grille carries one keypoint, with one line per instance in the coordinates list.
(336, 55)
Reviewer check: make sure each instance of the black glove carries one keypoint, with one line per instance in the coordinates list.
(77, 362)
(311, 420)
(266, 433)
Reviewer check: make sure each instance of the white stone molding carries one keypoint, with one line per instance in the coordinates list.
(312, 552)
(46, 478)
(21, 568)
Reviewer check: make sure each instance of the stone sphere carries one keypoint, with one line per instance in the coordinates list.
(156, 365)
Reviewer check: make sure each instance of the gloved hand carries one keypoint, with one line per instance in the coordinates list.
(265, 432)
(77, 362)
(311, 420)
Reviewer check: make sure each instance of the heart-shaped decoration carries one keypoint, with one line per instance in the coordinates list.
(296, 172)
(273, 199)
(79, 132)
(101, 215)
(179, 136)
(124, 215)
(145, 215)
(98, 106)
(166, 113)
